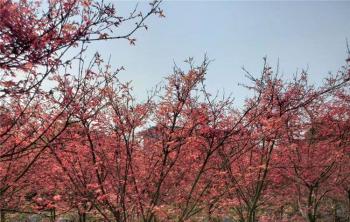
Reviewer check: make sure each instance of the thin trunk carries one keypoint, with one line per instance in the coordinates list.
(335, 216)
(82, 217)
(281, 213)
(2, 215)
(348, 206)
(252, 215)
(53, 215)
(311, 214)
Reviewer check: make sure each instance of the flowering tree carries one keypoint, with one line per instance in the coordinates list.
(77, 140)
(189, 155)
(34, 40)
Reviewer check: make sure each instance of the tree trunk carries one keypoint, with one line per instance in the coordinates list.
(53, 215)
(348, 216)
(82, 217)
(2, 215)
(251, 217)
(311, 217)
(335, 216)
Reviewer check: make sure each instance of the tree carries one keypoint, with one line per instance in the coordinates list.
(34, 40)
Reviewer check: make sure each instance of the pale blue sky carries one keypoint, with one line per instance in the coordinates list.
(234, 34)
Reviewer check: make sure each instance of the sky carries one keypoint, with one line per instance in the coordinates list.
(299, 35)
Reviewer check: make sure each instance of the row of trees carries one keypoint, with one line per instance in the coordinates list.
(76, 140)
